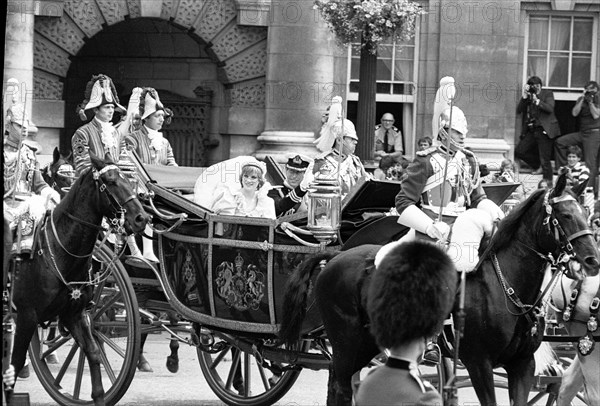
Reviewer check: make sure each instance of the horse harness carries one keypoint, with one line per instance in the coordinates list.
(116, 224)
(565, 253)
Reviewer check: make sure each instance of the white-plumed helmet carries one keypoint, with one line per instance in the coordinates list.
(459, 121)
(335, 127)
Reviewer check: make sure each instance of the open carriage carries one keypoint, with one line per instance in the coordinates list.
(225, 291)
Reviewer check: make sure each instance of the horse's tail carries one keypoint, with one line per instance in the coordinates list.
(296, 294)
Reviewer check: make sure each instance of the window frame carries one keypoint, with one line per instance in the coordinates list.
(562, 93)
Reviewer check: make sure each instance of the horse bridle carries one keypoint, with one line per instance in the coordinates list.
(564, 240)
(565, 252)
(116, 222)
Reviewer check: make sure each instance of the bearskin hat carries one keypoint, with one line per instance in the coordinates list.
(411, 292)
(100, 90)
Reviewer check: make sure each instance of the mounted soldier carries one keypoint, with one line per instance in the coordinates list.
(26, 195)
(443, 187)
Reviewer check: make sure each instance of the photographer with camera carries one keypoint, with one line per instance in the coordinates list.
(587, 111)
(540, 127)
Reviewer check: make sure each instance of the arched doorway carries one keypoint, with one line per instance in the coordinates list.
(176, 46)
(150, 52)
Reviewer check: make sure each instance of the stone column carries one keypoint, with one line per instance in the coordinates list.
(18, 51)
(300, 78)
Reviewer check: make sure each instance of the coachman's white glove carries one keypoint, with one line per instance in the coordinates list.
(492, 209)
(413, 217)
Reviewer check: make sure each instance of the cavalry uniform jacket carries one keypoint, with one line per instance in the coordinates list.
(147, 152)
(98, 138)
(288, 200)
(394, 139)
(350, 170)
(25, 172)
(425, 181)
(392, 385)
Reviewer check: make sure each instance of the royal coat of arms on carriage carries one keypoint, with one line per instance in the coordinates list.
(242, 287)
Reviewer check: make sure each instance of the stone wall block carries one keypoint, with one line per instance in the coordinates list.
(86, 14)
(50, 57)
(134, 8)
(249, 64)
(168, 8)
(113, 11)
(62, 31)
(237, 38)
(46, 86)
(215, 16)
(248, 94)
(188, 11)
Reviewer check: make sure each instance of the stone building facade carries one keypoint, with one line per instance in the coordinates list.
(254, 76)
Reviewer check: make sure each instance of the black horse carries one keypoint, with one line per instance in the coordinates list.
(55, 281)
(59, 173)
(499, 322)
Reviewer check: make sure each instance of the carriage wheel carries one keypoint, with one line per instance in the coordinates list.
(116, 329)
(237, 379)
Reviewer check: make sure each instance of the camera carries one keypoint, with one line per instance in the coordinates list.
(589, 96)
(531, 89)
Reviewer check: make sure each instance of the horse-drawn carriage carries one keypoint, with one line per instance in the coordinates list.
(225, 290)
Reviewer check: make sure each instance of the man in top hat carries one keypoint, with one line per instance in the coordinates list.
(388, 138)
(338, 142)
(289, 197)
(99, 135)
(148, 142)
(454, 188)
(26, 195)
(410, 294)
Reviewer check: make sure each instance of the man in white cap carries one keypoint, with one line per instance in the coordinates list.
(338, 142)
(26, 195)
(99, 135)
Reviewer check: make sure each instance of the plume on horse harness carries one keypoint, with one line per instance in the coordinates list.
(558, 259)
(116, 224)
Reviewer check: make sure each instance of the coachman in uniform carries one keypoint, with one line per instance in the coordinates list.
(99, 135)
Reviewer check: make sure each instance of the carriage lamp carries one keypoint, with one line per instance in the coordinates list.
(324, 209)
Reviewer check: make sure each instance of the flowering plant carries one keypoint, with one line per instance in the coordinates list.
(370, 21)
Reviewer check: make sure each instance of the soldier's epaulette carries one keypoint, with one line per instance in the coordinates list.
(395, 129)
(378, 126)
(427, 151)
(30, 146)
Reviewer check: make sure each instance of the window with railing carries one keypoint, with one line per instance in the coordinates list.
(395, 68)
(560, 49)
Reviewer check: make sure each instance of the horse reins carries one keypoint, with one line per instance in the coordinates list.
(565, 253)
(113, 202)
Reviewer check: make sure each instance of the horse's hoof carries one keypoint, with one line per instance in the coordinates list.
(173, 363)
(52, 359)
(144, 366)
(24, 372)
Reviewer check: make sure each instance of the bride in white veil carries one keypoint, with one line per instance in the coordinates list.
(237, 187)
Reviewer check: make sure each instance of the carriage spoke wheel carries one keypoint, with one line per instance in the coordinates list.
(237, 378)
(116, 330)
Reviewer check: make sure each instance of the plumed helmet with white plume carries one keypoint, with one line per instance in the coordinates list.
(443, 96)
(336, 127)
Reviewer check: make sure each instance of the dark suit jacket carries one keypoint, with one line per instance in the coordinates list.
(547, 117)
